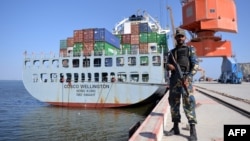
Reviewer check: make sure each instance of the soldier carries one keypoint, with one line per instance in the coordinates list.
(185, 56)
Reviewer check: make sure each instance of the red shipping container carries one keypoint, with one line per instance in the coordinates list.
(88, 35)
(135, 39)
(70, 42)
(88, 47)
(78, 36)
(135, 29)
(143, 48)
(126, 39)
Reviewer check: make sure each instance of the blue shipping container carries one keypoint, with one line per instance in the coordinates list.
(102, 34)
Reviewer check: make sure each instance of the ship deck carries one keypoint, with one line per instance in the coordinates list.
(211, 114)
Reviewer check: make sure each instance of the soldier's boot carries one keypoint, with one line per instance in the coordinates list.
(174, 131)
(193, 135)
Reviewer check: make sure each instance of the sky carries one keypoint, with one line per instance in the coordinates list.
(37, 26)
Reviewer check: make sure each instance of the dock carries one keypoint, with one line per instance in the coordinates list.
(211, 114)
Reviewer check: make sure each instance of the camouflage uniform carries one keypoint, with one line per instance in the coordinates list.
(177, 90)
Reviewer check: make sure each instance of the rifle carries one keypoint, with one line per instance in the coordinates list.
(180, 74)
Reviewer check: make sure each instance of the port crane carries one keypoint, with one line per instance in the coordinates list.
(204, 18)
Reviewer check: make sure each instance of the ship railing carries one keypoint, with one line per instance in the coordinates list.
(39, 56)
(92, 53)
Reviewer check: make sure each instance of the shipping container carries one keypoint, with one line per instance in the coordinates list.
(135, 39)
(126, 38)
(126, 48)
(88, 47)
(161, 39)
(104, 47)
(77, 49)
(127, 28)
(144, 28)
(102, 34)
(88, 35)
(135, 29)
(143, 37)
(152, 37)
(134, 49)
(70, 42)
(78, 36)
(63, 52)
(143, 48)
(63, 44)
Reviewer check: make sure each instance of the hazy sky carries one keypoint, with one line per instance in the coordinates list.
(38, 25)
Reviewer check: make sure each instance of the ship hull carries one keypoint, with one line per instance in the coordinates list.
(96, 95)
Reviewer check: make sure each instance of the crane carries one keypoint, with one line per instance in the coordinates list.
(204, 18)
(172, 24)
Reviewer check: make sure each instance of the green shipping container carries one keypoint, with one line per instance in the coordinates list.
(63, 44)
(162, 48)
(101, 47)
(152, 37)
(126, 47)
(161, 39)
(143, 37)
(77, 49)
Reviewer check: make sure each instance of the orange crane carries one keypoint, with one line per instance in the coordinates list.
(206, 17)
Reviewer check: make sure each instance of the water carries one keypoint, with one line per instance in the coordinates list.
(24, 118)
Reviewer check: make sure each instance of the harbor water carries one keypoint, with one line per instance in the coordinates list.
(24, 118)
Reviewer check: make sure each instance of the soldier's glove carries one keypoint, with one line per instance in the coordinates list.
(170, 67)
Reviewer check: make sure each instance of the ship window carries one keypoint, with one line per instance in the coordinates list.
(144, 60)
(27, 64)
(55, 63)
(97, 62)
(75, 77)
(53, 77)
(44, 77)
(153, 48)
(131, 61)
(119, 61)
(134, 77)
(83, 77)
(145, 77)
(36, 63)
(122, 77)
(35, 78)
(65, 63)
(112, 76)
(75, 63)
(108, 62)
(89, 77)
(86, 62)
(156, 60)
(69, 76)
(104, 77)
(61, 77)
(96, 77)
(46, 63)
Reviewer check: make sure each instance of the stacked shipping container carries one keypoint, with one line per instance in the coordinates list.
(143, 39)
(87, 40)
(100, 40)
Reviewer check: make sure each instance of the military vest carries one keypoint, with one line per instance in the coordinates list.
(181, 56)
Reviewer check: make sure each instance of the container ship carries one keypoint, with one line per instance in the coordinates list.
(97, 68)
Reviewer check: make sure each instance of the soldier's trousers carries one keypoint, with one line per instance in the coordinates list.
(188, 102)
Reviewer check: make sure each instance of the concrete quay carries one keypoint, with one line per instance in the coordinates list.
(211, 116)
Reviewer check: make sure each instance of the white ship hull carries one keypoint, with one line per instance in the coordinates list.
(43, 82)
